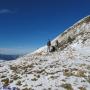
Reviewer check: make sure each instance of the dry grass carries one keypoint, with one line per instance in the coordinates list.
(5, 81)
(27, 89)
(18, 83)
(67, 86)
(15, 77)
(82, 88)
(3, 76)
(79, 73)
(34, 79)
(67, 73)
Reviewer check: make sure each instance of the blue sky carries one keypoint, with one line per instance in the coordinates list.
(26, 25)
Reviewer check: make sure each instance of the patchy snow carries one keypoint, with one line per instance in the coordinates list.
(67, 69)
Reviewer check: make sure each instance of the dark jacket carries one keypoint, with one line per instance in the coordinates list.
(49, 43)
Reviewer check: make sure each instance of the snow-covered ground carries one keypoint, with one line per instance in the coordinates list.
(67, 69)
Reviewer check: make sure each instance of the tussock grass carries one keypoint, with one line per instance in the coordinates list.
(67, 86)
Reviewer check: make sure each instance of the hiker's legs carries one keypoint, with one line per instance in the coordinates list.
(48, 49)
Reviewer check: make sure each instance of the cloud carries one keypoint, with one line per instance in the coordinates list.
(8, 50)
(3, 50)
(5, 11)
(12, 51)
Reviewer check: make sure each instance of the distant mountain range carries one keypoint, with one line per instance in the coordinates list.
(8, 57)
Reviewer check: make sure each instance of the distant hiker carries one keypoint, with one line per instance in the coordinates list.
(48, 45)
(69, 39)
(57, 44)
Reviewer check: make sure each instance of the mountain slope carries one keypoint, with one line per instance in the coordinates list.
(65, 69)
(82, 26)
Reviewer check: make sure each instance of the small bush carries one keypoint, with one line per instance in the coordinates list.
(67, 86)
(11, 81)
(39, 85)
(3, 76)
(53, 77)
(88, 67)
(70, 40)
(38, 76)
(40, 71)
(49, 89)
(14, 68)
(88, 79)
(34, 79)
(67, 72)
(5, 81)
(16, 77)
(87, 19)
(80, 73)
(18, 83)
(27, 89)
(82, 88)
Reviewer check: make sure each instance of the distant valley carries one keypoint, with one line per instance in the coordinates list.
(9, 57)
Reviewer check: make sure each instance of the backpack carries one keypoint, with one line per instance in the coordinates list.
(52, 49)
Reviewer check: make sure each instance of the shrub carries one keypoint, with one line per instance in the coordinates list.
(38, 76)
(88, 79)
(34, 79)
(3, 76)
(70, 39)
(18, 83)
(67, 86)
(15, 77)
(80, 73)
(6, 81)
(82, 88)
(67, 72)
(27, 89)
(13, 68)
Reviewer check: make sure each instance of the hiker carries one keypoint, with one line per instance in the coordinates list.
(53, 49)
(48, 45)
(57, 44)
(69, 39)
